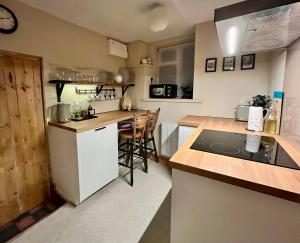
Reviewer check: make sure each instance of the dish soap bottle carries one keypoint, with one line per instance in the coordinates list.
(271, 120)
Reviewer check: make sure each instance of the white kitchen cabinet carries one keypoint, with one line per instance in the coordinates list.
(82, 163)
(184, 133)
(169, 138)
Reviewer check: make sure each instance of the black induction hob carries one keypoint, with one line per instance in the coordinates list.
(256, 148)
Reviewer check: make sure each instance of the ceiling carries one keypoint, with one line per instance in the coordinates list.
(126, 20)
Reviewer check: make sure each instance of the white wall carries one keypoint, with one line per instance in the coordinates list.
(222, 91)
(278, 59)
(291, 110)
(59, 43)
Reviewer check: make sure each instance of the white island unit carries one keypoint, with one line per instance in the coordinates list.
(83, 162)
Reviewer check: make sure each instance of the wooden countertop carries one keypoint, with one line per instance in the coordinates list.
(103, 119)
(190, 121)
(273, 180)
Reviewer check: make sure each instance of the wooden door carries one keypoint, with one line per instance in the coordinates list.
(24, 178)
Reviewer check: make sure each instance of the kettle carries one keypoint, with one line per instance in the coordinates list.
(63, 112)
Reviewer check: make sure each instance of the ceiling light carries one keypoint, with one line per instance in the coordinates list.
(231, 33)
(232, 40)
(158, 17)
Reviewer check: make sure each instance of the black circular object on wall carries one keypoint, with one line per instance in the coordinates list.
(8, 20)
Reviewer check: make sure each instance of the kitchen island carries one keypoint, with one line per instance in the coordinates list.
(84, 154)
(217, 198)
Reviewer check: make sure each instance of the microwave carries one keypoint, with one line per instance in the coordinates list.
(163, 91)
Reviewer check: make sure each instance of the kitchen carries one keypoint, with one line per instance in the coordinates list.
(69, 49)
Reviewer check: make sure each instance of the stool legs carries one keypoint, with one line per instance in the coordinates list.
(151, 139)
(154, 146)
(131, 163)
(128, 150)
(145, 154)
(134, 149)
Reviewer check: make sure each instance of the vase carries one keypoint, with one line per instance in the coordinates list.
(256, 119)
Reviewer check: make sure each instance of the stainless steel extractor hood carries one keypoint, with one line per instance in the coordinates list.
(253, 26)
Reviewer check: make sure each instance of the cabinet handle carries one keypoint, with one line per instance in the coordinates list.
(100, 128)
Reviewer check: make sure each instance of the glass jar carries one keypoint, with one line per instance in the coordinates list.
(271, 120)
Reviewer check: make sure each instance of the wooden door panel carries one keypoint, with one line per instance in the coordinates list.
(23, 151)
(4, 145)
(43, 168)
(4, 123)
(12, 143)
(24, 81)
(20, 130)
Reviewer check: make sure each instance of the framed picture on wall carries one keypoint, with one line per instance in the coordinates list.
(248, 62)
(228, 63)
(211, 65)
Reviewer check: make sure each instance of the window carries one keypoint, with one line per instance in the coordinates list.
(176, 66)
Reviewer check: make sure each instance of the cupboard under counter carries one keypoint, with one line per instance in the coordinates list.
(83, 162)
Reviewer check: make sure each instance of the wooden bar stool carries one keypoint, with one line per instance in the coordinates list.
(149, 137)
(134, 143)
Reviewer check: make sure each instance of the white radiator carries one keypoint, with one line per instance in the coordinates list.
(169, 138)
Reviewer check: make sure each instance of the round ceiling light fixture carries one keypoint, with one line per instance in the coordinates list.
(158, 17)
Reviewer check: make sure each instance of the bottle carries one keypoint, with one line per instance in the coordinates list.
(91, 111)
(271, 120)
(278, 99)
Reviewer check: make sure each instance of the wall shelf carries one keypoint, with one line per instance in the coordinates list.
(61, 83)
(173, 100)
(141, 66)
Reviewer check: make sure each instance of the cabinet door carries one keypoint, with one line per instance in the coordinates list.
(98, 158)
(184, 134)
(169, 138)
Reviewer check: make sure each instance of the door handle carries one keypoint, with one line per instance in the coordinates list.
(100, 128)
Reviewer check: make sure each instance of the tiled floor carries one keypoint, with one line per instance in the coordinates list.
(26, 220)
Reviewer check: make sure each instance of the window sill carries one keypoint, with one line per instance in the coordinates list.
(141, 66)
(174, 100)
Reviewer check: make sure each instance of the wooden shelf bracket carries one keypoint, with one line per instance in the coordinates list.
(124, 89)
(60, 84)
